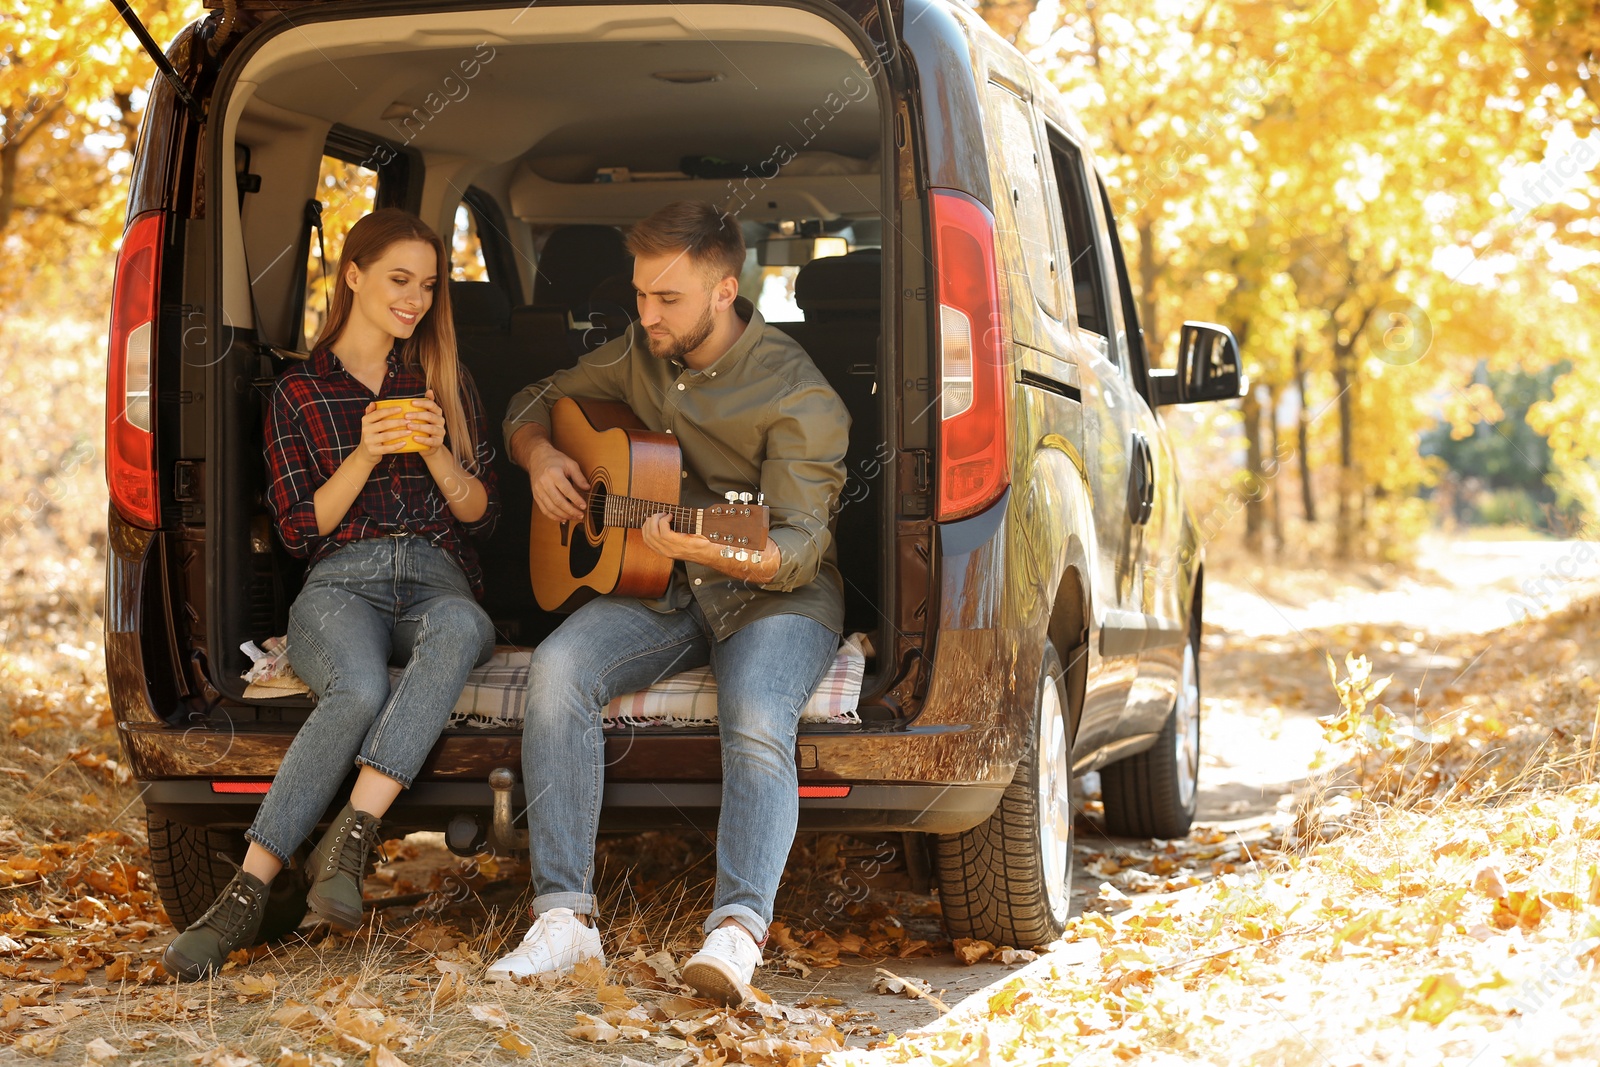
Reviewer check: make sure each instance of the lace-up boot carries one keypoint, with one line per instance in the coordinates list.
(337, 866)
(230, 923)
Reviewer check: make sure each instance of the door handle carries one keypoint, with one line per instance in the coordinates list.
(1149, 482)
(1141, 481)
(1137, 474)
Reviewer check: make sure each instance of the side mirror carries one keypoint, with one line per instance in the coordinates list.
(1208, 368)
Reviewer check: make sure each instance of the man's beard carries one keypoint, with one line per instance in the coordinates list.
(676, 348)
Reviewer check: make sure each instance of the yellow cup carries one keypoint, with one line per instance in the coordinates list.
(405, 405)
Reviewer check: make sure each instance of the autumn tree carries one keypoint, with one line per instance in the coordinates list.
(1296, 171)
(73, 81)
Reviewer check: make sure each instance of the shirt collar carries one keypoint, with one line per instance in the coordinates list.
(323, 362)
(754, 325)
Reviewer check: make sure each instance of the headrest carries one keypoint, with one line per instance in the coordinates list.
(841, 283)
(576, 259)
(616, 293)
(479, 306)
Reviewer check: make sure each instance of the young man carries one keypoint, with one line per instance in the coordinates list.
(752, 414)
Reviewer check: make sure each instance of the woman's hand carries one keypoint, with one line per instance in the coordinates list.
(383, 432)
(427, 424)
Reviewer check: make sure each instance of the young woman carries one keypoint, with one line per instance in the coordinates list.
(393, 572)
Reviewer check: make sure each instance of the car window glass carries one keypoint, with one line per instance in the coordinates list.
(1088, 281)
(1020, 151)
(1102, 228)
(1137, 366)
(771, 288)
(466, 248)
(346, 191)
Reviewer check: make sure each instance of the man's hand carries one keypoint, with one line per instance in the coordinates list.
(693, 548)
(557, 481)
(559, 486)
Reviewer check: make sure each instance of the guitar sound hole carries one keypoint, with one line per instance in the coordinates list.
(595, 522)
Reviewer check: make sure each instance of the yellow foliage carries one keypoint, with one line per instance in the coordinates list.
(73, 82)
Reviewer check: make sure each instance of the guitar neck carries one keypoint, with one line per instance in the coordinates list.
(630, 512)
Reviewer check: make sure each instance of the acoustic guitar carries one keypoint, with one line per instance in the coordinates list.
(633, 473)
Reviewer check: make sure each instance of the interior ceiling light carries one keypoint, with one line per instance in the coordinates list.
(689, 77)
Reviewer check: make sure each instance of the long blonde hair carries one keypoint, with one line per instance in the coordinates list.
(432, 345)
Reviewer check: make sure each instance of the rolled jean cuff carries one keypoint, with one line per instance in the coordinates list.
(580, 903)
(754, 924)
(283, 857)
(405, 780)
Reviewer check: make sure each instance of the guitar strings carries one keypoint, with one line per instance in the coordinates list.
(632, 512)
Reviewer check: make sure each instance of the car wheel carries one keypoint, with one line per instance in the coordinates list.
(190, 876)
(1155, 793)
(1008, 880)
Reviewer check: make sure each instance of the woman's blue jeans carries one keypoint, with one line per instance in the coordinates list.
(615, 645)
(382, 598)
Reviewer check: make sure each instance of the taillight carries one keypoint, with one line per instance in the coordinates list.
(974, 462)
(130, 392)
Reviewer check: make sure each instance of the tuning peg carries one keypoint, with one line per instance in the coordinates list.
(744, 540)
(744, 498)
(759, 498)
(741, 555)
(731, 497)
(727, 553)
(755, 557)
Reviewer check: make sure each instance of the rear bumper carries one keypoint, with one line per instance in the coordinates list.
(628, 806)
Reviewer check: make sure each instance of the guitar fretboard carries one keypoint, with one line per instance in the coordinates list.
(631, 512)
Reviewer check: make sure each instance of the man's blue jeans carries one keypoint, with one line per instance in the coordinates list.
(615, 645)
(372, 600)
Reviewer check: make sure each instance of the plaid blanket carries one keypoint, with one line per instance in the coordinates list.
(495, 692)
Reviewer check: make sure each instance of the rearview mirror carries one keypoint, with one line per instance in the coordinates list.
(1208, 368)
(798, 251)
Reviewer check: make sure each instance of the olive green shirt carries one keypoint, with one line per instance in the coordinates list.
(760, 419)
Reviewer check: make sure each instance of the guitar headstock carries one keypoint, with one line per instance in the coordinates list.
(738, 525)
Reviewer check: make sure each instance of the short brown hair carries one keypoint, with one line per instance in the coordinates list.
(709, 235)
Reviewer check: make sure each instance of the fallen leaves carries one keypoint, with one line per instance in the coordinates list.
(969, 951)
(801, 950)
(1437, 997)
(1378, 925)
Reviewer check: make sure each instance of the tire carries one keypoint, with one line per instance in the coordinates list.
(190, 876)
(1155, 792)
(1008, 880)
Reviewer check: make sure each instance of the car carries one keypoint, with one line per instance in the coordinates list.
(924, 216)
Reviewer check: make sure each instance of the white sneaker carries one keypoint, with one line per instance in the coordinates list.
(557, 943)
(721, 970)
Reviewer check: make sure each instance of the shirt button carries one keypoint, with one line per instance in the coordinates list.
(697, 581)
(680, 385)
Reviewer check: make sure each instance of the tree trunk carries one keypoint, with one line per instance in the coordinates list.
(16, 133)
(1274, 465)
(1344, 526)
(1254, 511)
(8, 182)
(1148, 272)
(1302, 430)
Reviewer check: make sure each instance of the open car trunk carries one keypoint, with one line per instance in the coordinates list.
(549, 126)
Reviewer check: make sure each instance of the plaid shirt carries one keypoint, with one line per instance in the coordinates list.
(315, 422)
